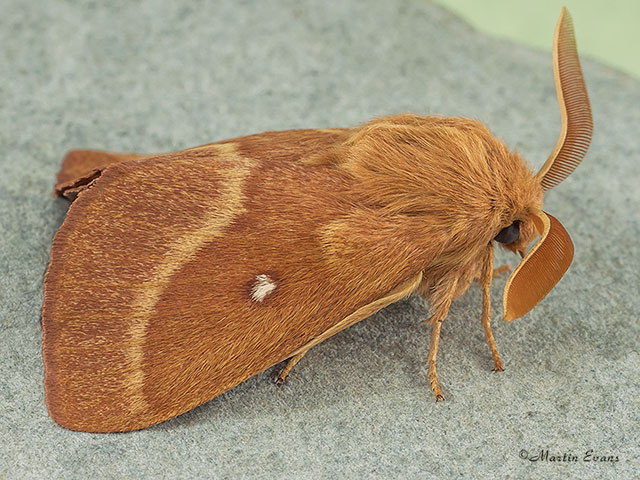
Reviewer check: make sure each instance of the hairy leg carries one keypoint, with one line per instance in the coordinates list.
(291, 362)
(486, 275)
(441, 299)
(405, 289)
(501, 269)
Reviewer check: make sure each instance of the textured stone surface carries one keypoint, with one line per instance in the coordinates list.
(156, 77)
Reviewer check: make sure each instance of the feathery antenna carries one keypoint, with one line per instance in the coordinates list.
(577, 123)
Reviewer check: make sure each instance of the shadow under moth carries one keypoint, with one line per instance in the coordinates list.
(175, 277)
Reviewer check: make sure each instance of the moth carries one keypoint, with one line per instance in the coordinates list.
(175, 277)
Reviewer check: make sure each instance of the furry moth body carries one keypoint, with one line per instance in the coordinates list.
(175, 277)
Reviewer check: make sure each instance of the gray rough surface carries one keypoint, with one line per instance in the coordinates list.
(157, 77)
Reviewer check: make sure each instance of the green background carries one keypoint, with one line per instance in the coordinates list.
(606, 31)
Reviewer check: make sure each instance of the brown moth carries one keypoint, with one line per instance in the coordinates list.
(177, 276)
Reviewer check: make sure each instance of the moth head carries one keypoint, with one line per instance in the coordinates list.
(517, 236)
(547, 261)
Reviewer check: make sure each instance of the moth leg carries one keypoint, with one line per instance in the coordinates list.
(291, 362)
(485, 281)
(405, 289)
(431, 359)
(501, 269)
(496, 272)
(441, 304)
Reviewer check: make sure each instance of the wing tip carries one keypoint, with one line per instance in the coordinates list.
(80, 168)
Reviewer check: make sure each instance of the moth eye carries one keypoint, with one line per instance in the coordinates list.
(509, 234)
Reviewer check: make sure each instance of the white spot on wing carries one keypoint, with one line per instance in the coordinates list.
(262, 287)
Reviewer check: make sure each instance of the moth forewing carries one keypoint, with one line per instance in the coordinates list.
(153, 307)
